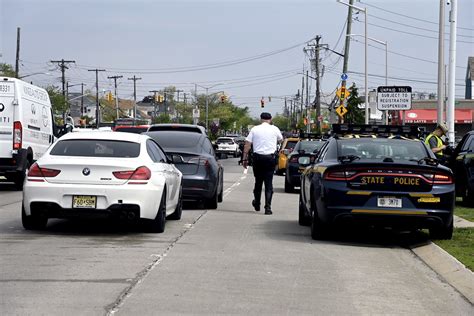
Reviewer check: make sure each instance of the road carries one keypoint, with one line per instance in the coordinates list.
(232, 260)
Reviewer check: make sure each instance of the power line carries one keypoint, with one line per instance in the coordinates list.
(205, 67)
(415, 27)
(410, 17)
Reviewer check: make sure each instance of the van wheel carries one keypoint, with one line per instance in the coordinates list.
(19, 178)
(32, 222)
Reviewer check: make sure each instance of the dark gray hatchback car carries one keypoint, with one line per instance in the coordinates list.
(193, 154)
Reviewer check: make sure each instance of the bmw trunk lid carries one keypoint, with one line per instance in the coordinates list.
(88, 170)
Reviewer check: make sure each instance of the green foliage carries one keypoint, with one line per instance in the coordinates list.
(354, 114)
(461, 246)
(7, 70)
(281, 122)
(58, 101)
(162, 118)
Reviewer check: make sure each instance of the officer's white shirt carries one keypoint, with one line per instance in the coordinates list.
(264, 138)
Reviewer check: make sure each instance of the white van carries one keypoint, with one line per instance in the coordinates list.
(27, 127)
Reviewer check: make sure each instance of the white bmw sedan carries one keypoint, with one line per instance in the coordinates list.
(103, 174)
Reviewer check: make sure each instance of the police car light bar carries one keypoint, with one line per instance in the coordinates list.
(307, 135)
(379, 130)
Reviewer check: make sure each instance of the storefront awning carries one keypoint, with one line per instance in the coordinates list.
(429, 116)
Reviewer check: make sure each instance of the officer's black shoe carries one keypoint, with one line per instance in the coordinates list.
(255, 206)
(268, 211)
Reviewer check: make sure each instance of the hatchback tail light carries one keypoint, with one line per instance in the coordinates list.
(37, 171)
(141, 173)
(200, 161)
(17, 135)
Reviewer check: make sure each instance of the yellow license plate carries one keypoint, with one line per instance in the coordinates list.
(84, 201)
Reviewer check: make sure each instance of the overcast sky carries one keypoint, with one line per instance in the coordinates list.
(210, 42)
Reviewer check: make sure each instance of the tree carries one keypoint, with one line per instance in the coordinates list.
(354, 115)
(7, 70)
(58, 102)
(281, 122)
(162, 118)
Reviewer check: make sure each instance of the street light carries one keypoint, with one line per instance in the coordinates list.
(386, 63)
(366, 43)
(207, 101)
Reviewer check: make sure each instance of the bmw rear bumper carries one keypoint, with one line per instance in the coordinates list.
(55, 200)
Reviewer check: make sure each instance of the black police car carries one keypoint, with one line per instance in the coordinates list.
(377, 175)
(462, 164)
(309, 144)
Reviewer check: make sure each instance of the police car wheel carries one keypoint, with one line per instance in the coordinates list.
(443, 232)
(303, 218)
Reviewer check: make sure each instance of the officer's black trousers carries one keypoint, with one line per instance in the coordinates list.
(263, 168)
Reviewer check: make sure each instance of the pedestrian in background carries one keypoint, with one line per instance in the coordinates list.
(263, 139)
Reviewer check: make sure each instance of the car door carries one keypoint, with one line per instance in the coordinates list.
(161, 162)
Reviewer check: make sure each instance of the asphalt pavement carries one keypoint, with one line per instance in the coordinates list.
(232, 260)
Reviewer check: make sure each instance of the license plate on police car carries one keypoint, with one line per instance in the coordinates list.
(389, 202)
(84, 201)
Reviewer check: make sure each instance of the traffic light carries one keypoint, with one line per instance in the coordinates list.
(262, 103)
(157, 98)
(162, 98)
(223, 98)
(109, 96)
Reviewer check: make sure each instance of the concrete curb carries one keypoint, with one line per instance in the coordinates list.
(448, 267)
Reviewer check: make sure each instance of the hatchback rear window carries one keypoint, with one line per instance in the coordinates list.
(132, 129)
(96, 148)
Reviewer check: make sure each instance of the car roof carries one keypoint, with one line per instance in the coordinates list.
(177, 127)
(121, 136)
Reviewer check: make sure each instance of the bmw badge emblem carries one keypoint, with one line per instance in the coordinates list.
(86, 171)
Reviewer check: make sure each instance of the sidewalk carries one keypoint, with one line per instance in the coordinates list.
(462, 223)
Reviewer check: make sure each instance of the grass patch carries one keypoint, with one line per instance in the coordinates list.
(461, 246)
(464, 212)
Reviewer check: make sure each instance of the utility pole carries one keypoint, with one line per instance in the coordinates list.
(453, 14)
(17, 62)
(82, 98)
(346, 47)
(154, 102)
(116, 95)
(318, 86)
(63, 65)
(134, 95)
(177, 101)
(441, 95)
(97, 104)
(308, 111)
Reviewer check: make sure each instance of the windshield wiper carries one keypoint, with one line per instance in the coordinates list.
(348, 158)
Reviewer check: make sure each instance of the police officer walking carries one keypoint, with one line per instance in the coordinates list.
(264, 139)
(434, 141)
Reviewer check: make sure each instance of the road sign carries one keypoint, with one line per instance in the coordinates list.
(341, 110)
(195, 113)
(342, 93)
(394, 98)
(344, 76)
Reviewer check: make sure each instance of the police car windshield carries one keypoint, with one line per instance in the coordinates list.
(382, 148)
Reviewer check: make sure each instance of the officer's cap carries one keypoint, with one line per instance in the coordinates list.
(265, 116)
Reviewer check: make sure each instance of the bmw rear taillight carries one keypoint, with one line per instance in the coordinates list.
(37, 171)
(338, 175)
(17, 135)
(141, 173)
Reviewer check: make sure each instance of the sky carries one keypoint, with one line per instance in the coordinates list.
(248, 49)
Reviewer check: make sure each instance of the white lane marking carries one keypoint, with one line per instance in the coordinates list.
(234, 185)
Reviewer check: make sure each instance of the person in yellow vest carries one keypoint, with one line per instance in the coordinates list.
(434, 141)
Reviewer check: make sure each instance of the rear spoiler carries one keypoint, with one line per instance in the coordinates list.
(395, 131)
